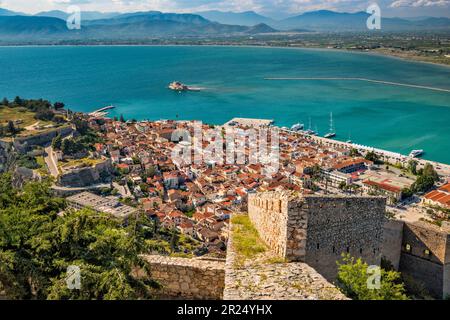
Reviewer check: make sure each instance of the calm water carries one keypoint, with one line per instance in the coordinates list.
(134, 79)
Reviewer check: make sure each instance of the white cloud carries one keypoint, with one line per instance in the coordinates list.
(419, 3)
(277, 8)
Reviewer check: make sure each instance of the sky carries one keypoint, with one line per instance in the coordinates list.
(273, 8)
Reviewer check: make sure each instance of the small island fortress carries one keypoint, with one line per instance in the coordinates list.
(178, 86)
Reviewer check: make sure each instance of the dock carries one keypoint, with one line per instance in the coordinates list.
(101, 112)
(248, 122)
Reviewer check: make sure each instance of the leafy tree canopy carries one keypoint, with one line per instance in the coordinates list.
(37, 245)
(353, 281)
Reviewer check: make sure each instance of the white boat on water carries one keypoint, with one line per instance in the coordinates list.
(331, 134)
(416, 153)
(297, 127)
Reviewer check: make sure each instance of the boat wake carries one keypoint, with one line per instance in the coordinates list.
(368, 80)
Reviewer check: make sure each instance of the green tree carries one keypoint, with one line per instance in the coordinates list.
(18, 101)
(44, 114)
(428, 171)
(412, 166)
(12, 128)
(372, 156)
(174, 240)
(406, 193)
(37, 245)
(58, 105)
(81, 125)
(57, 142)
(353, 281)
(426, 179)
(354, 153)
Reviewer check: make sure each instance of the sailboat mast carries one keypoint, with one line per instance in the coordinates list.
(331, 122)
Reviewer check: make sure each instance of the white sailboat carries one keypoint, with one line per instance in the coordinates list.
(310, 131)
(331, 134)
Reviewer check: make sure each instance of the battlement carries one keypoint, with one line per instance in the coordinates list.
(318, 229)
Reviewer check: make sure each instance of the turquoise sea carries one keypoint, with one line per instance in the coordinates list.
(135, 79)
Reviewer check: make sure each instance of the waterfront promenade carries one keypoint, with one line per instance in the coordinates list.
(387, 156)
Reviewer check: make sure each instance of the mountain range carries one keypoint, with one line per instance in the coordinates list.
(247, 18)
(51, 25)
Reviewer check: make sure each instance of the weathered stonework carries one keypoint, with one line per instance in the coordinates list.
(82, 177)
(25, 144)
(318, 229)
(392, 242)
(425, 257)
(187, 278)
(261, 278)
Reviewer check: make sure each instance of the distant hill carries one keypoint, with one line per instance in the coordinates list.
(261, 28)
(157, 24)
(51, 25)
(30, 24)
(136, 26)
(85, 15)
(325, 20)
(5, 12)
(247, 18)
(142, 17)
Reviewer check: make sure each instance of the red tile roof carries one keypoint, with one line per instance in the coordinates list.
(383, 186)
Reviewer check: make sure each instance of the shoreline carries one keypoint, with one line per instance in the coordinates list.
(353, 51)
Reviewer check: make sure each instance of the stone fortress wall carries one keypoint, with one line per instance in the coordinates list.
(87, 176)
(264, 278)
(25, 144)
(425, 257)
(310, 233)
(318, 229)
(185, 278)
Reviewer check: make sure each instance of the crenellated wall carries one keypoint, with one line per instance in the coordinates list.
(187, 278)
(318, 229)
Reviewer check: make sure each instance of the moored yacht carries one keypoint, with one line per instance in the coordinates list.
(331, 134)
(416, 153)
(297, 127)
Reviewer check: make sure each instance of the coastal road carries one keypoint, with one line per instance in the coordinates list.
(51, 161)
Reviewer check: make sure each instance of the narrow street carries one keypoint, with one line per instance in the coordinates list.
(51, 162)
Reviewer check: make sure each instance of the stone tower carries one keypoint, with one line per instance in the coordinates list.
(317, 229)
